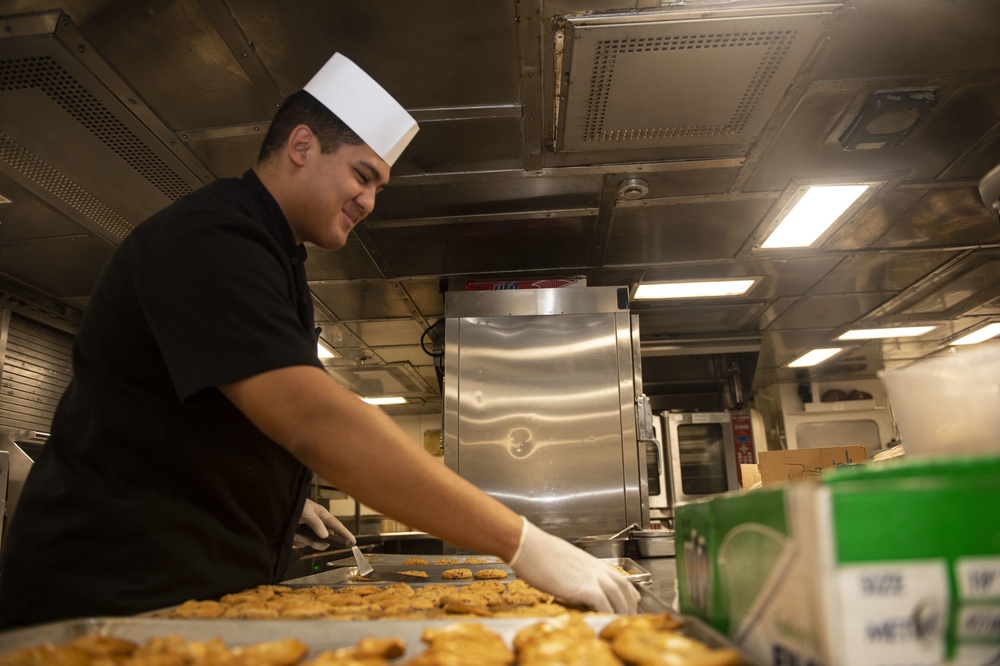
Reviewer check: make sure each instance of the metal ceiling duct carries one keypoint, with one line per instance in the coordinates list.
(389, 379)
(667, 79)
(75, 135)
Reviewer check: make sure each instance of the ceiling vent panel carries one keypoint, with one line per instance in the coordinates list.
(670, 79)
(76, 136)
(395, 379)
(952, 292)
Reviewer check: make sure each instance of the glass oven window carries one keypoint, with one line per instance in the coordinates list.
(653, 467)
(701, 448)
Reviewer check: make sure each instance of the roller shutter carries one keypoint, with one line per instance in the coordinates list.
(37, 368)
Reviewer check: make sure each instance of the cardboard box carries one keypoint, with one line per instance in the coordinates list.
(887, 565)
(799, 464)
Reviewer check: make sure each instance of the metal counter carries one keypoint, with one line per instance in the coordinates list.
(664, 579)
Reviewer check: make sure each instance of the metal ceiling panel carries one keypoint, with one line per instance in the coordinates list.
(352, 262)
(890, 38)
(461, 145)
(950, 292)
(386, 333)
(430, 55)
(655, 234)
(359, 300)
(877, 271)
(227, 153)
(410, 200)
(830, 311)
(610, 65)
(943, 217)
(476, 245)
(64, 268)
(808, 143)
(685, 318)
(378, 380)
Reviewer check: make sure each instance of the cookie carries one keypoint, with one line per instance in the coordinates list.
(490, 574)
(456, 574)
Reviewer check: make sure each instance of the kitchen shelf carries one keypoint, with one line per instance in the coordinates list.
(842, 406)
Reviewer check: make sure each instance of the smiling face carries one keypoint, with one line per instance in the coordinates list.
(332, 192)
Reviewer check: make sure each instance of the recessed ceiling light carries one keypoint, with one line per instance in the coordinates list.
(815, 357)
(984, 333)
(874, 333)
(694, 289)
(324, 352)
(389, 400)
(816, 209)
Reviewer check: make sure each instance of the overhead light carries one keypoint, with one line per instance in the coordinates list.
(981, 335)
(815, 357)
(875, 333)
(324, 352)
(815, 210)
(693, 289)
(389, 400)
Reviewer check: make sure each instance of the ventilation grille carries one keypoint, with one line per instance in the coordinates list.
(647, 81)
(381, 380)
(46, 177)
(775, 48)
(45, 74)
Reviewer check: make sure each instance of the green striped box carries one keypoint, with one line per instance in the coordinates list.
(881, 565)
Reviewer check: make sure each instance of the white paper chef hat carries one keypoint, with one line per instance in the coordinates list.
(364, 106)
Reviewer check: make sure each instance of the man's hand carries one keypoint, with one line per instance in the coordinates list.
(322, 523)
(558, 567)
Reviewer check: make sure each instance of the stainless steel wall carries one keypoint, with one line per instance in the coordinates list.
(539, 407)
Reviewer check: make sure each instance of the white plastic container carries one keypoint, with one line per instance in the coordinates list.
(949, 404)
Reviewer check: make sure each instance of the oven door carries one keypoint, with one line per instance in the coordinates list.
(702, 456)
(656, 467)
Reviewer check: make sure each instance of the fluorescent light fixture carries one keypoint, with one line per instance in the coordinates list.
(815, 357)
(693, 289)
(389, 400)
(981, 335)
(875, 333)
(813, 214)
(324, 352)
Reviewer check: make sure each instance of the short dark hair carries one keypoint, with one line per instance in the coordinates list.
(301, 108)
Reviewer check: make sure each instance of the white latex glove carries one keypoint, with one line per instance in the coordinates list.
(558, 567)
(321, 522)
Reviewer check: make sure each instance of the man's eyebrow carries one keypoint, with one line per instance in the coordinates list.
(373, 172)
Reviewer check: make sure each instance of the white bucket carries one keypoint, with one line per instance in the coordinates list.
(949, 404)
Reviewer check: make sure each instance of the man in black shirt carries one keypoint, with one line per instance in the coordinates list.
(181, 453)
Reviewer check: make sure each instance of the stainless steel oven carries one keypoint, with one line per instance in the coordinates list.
(704, 451)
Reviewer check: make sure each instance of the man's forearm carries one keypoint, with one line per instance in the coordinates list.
(360, 449)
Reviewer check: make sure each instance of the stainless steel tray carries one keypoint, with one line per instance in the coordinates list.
(343, 571)
(319, 635)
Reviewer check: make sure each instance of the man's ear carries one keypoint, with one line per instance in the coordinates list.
(300, 141)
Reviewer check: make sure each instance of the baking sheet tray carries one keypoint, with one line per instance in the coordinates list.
(344, 571)
(319, 635)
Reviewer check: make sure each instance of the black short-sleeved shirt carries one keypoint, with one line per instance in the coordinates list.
(153, 489)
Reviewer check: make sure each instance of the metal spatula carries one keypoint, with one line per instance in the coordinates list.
(364, 566)
(367, 571)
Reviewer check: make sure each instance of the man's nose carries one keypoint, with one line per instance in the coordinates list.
(366, 201)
